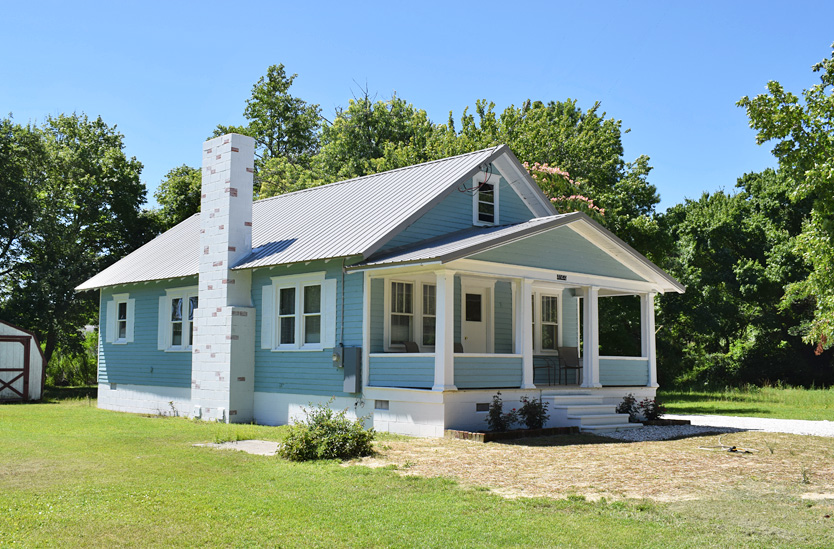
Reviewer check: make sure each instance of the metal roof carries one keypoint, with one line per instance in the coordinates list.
(478, 239)
(349, 218)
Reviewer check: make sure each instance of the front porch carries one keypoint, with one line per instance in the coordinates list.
(479, 327)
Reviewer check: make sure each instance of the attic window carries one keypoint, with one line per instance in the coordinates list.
(485, 200)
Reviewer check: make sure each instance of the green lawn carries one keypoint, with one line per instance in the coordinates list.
(774, 402)
(74, 475)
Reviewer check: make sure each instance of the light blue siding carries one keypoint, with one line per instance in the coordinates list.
(307, 372)
(377, 315)
(140, 362)
(487, 372)
(570, 319)
(626, 372)
(454, 213)
(503, 317)
(402, 371)
(560, 249)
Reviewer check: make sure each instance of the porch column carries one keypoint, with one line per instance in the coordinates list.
(590, 358)
(444, 333)
(523, 337)
(647, 338)
(366, 329)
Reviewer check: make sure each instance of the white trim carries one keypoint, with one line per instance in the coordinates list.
(485, 178)
(326, 312)
(572, 280)
(166, 336)
(366, 328)
(538, 293)
(417, 282)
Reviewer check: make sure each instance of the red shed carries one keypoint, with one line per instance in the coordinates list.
(21, 365)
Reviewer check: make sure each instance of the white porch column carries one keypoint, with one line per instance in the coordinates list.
(366, 329)
(647, 338)
(590, 358)
(523, 337)
(444, 343)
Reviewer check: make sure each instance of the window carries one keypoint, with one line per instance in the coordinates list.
(411, 314)
(119, 318)
(485, 200)
(545, 322)
(429, 314)
(402, 312)
(298, 313)
(176, 319)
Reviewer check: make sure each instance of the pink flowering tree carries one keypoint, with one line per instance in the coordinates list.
(566, 194)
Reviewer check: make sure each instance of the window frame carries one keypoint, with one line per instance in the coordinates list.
(538, 322)
(299, 284)
(114, 322)
(477, 180)
(187, 330)
(418, 284)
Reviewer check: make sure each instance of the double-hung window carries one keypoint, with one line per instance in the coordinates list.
(411, 314)
(298, 313)
(545, 322)
(176, 319)
(120, 313)
(485, 200)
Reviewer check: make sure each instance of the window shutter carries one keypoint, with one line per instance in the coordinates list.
(267, 317)
(110, 322)
(328, 340)
(162, 326)
(131, 312)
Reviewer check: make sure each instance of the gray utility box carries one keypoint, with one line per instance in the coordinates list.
(352, 364)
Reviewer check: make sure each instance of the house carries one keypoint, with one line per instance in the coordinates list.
(22, 373)
(411, 296)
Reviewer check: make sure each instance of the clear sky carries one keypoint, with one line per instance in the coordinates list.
(167, 72)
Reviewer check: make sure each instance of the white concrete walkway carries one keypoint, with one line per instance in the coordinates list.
(792, 426)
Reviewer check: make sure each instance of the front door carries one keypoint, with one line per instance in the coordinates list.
(476, 325)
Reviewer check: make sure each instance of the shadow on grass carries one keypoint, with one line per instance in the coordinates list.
(57, 394)
(558, 440)
(716, 410)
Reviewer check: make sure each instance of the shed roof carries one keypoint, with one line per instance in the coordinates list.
(344, 219)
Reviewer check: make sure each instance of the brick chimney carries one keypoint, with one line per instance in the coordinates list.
(223, 359)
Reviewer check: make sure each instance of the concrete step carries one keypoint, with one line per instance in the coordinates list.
(583, 409)
(600, 419)
(607, 428)
(565, 400)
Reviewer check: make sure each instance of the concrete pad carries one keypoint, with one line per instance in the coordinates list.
(256, 447)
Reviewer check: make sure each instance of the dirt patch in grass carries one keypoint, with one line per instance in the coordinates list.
(595, 467)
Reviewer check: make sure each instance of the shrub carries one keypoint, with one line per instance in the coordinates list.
(327, 434)
(650, 408)
(628, 406)
(497, 420)
(646, 409)
(533, 412)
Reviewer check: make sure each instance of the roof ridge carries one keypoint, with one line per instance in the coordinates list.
(370, 175)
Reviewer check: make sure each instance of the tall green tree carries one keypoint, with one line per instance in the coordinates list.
(803, 134)
(87, 215)
(178, 196)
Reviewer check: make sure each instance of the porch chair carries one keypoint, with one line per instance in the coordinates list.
(569, 360)
(458, 347)
(545, 363)
(411, 347)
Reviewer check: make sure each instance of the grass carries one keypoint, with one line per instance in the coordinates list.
(772, 402)
(75, 475)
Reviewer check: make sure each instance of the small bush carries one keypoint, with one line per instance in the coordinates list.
(533, 412)
(327, 434)
(497, 420)
(646, 409)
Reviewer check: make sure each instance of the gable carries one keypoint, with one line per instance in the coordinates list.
(559, 249)
(454, 213)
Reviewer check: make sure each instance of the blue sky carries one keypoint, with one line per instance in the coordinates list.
(167, 72)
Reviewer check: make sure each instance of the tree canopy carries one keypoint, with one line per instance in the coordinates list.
(86, 197)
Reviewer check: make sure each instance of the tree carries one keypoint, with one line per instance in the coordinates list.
(178, 196)
(19, 147)
(87, 215)
(803, 132)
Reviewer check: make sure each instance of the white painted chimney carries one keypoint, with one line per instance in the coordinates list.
(223, 360)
